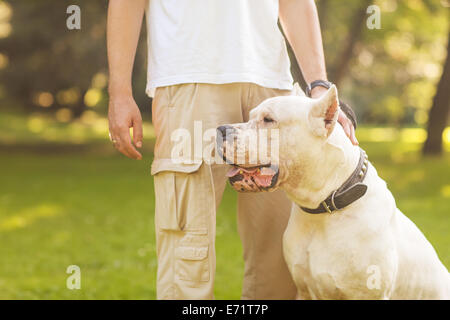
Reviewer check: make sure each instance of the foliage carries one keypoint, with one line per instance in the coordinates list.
(393, 70)
(391, 76)
(51, 67)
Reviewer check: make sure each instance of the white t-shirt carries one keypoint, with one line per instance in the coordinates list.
(216, 41)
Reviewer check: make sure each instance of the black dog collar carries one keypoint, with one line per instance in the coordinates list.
(350, 191)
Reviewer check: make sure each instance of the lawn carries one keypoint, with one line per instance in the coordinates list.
(80, 203)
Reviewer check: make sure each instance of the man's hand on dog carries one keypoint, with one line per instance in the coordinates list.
(345, 122)
(124, 114)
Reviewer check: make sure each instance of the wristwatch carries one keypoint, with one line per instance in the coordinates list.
(317, 83)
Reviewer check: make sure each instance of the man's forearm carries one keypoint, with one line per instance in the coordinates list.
(300, 23)
(124, 25)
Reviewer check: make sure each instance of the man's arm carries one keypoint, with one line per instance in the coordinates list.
(300, 23)
(123, 28)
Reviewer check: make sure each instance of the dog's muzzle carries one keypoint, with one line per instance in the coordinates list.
(244, 179)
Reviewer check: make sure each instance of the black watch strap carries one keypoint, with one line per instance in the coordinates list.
(317, 83)
(344, 107)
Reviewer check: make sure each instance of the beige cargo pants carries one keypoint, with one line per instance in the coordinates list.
(187, 196)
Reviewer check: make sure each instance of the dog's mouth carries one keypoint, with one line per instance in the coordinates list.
(244, 178)
(254, 179)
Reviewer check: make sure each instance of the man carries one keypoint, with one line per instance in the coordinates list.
(210, 61)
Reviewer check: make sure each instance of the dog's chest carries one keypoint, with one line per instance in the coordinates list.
(321, 274)
(312, 267)
(326, 264)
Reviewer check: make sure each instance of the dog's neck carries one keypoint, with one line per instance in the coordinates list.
(332, 166)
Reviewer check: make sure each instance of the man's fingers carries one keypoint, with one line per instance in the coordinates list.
(126, 147)
(119, 146)
(346, 129)
(137, 132)
(129, 151)
(347, 125)
(129, 148)
(353, 136)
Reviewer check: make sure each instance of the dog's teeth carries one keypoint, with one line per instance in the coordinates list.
(364, 168)
(366, 162)
(361, 173)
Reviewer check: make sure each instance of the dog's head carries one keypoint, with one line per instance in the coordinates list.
(280, 143)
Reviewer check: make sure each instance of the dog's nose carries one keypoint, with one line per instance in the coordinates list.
(222, 131)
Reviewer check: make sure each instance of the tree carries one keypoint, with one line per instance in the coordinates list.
(357, 25)
(339, 68)
(45, 57)
(439, 111)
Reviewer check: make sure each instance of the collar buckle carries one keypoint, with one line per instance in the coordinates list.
(328, 208)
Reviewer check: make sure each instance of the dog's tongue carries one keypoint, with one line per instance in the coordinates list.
(264, 178)
(237, 170)
(251, 179)
(233, 171)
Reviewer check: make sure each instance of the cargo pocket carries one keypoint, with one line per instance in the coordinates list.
(182, 192)
(192, 262)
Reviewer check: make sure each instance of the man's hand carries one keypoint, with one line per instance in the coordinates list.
(124, 24)
(124, 114)
(345, 122)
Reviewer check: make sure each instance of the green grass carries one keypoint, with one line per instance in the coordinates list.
(95, 212)
(94, 208)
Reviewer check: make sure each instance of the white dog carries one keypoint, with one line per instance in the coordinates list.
(345, 239)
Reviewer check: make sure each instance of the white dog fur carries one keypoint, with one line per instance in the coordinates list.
(367, 250)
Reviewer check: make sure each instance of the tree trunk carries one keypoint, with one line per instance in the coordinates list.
(322, 8)
(80, 107)
(439, 112)
(355, 30)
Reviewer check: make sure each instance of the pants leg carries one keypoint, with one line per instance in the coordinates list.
(262, 220)
(187, 194)
(186, 245)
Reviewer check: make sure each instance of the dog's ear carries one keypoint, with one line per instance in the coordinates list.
(297, 91)
(324, 113)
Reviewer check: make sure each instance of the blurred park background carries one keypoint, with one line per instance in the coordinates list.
(67, 198)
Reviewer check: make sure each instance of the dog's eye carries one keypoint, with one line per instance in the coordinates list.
(268, 119)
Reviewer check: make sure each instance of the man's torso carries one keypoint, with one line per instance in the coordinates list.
(223, 41)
